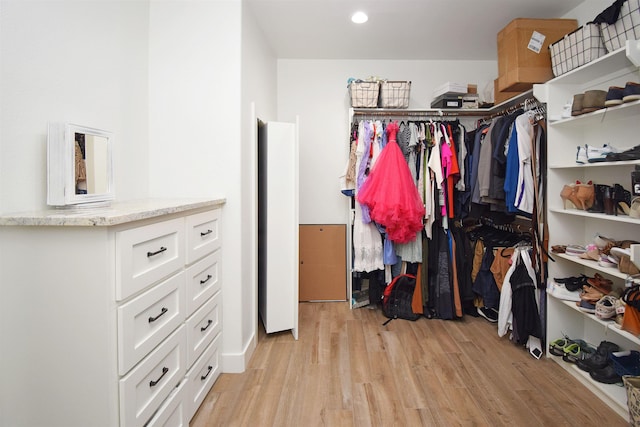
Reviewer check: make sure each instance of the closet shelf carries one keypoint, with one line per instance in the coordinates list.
(595, 165)
(608, 325)
(617, 112)
(592, 264)
(612, 62)
(612, 218)
(444, 112)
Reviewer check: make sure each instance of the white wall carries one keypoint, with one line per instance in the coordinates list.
(198, 139)
(71, 61)
(259, 76)
(588, 10)
(316, 90)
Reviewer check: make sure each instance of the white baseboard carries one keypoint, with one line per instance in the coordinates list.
(236, 363)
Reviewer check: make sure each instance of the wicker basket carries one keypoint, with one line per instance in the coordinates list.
(627, 27)
(576, 49)
(632, 385)
(364, 94)
(395, 94)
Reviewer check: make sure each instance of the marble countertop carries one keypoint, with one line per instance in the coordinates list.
(114, 214)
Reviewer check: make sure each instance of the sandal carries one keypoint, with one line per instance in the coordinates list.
(557, 346)
(578, 350)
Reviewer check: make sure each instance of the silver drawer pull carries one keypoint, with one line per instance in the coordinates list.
(202, 282)
(159, 251)
(202, 234)
(163, 311)
(154, 383)
(209, 369)
(204, 328)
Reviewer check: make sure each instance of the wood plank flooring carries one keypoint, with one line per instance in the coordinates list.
(347, 369)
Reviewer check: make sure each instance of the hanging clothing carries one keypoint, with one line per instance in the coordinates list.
(391, 195)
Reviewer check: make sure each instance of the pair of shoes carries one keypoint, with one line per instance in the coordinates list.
(595, 154)
(575, 250)
(600, 358)
(599, 283)
(578, 350)
(573, 283)
(587, 102)
(630, 154)
(606, 307)
(625, 265)
(582, 196)
(581, 155)
(616, 95)
(586, 306)
(491, 314)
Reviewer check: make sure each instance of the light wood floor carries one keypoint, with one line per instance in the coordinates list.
(347, 369)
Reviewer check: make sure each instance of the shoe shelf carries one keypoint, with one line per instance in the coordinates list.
(619, 127)
(593, 264)
(609, 326)
(627, 109)
(613, 218)
(595, 165)
(596, 330)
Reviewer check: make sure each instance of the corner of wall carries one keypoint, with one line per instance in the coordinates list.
(236, 363)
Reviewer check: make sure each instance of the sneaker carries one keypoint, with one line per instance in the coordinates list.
(581, 155)
(595, 154)
(491, 314)
(631, 92)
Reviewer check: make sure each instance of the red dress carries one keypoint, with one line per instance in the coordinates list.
(391, 195)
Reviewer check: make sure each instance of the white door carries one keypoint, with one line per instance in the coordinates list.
(278, 226)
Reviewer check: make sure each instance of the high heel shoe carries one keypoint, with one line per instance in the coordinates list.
(598, 203)
(620, 195)
(585, 193)
(569, 192)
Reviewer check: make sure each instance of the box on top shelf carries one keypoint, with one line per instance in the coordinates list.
(450, 88)
(523, 51)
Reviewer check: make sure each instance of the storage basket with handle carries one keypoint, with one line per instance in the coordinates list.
(364, 94)
(626, 27)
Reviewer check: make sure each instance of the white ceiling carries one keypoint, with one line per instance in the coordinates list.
(397, 29)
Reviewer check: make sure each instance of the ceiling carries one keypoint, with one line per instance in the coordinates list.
(397, 29)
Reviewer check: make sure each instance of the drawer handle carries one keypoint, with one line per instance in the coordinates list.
(202, 282)
(202, 234)
(154, 383)
(209, 369)
(204, 328)
(159, 251)
(163, 311)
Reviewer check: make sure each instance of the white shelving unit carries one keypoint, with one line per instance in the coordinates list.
(618, 126)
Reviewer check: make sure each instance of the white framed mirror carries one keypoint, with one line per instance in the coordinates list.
(79, 166)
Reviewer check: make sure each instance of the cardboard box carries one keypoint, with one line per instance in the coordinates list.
(450, 88)
(447, 101)
(499, 96)
(523, 51)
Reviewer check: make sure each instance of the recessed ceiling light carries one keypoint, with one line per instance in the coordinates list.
(359, 18)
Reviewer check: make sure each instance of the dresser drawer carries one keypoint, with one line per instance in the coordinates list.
(202, 375)
(203, 327)
(203, 280)
(173, 412)
(203, 234)
(146, 386)
(145, 321)
(146, 254)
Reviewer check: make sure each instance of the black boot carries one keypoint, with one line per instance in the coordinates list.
(599, 359)
(598, 203)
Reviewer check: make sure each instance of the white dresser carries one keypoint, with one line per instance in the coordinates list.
(110, 316)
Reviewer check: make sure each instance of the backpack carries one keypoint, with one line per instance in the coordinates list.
(397, 297)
